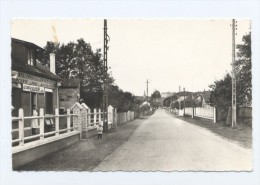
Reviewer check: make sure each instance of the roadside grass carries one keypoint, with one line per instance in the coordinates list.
(85, 155)
(242, 134)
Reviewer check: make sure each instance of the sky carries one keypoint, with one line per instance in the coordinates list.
(190, 53)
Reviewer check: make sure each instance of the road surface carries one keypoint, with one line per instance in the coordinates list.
(165, 143)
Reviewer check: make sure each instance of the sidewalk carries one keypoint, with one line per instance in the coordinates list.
(86, 154)
(242, 135)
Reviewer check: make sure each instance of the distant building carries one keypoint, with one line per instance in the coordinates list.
(198, 99)
(69, 94)
(166, 94)
(202, 99)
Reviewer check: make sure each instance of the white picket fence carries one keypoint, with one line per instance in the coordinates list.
(54, 120)
(125, 117)
(202, 112)
(82, 119)
(189, 111)
(207, 112)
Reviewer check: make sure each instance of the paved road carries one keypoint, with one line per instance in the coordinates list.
(166, 143)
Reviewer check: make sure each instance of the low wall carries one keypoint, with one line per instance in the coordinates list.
(89, 133)
(38, 149)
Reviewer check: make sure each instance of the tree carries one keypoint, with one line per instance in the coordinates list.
(76, 60)
(221, 94)
(243, 68)
(156, 95)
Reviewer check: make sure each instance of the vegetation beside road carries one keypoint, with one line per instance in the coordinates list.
(241, 135)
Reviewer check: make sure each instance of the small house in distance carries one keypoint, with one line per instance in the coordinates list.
(203, 99)
(69, 93)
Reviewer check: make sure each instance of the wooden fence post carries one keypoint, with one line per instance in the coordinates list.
(41, 123)
(21, 126)
(95, 116)
(57, 124)
(68, 119)
(214, 115)
(88, 117)
(99, 115)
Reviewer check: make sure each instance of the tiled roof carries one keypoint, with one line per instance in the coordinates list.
(37, 70)
(27, 43)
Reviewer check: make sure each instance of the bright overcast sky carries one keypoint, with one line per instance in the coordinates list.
(169, 53)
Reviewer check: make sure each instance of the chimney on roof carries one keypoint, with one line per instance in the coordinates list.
(52, 63)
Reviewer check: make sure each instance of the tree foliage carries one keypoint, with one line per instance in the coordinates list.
(154, 100)
(221, 95)
(244, 70)
(77, 60)
(156, 94)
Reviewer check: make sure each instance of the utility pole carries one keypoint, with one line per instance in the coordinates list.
(234, 121)
(147, 82)
(184, 102)
(179, 101)
(105, 93)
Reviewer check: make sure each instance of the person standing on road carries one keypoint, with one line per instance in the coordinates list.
(100, 131)
(34, 123)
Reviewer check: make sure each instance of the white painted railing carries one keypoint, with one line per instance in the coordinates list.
(125, 117)
(189, 111)
(82, 119)
(204, 112)
(181, 112)
(41, 119)
(93, 118)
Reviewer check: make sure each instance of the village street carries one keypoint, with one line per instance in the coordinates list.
(166, 143)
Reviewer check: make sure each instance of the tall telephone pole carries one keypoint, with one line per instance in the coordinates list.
(147, 82)
(105, 93)
(234, 121)
(184, 101)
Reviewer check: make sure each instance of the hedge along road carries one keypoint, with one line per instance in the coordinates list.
(165, 143)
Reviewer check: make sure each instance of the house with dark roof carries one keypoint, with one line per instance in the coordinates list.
(198, 99)
(202, 99)
(32, 83)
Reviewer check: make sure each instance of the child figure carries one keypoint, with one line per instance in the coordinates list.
(100, 131)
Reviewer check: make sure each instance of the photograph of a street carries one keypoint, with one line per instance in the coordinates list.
(131, 95)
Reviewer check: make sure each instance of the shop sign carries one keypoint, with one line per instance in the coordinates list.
(28, 79)
(32, 88)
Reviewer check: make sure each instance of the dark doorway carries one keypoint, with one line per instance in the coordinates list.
(49, 103)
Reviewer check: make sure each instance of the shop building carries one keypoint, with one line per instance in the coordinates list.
(32, 83)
